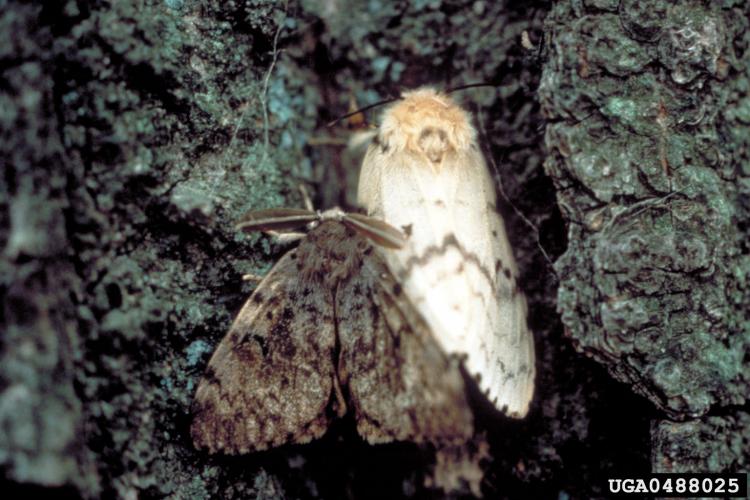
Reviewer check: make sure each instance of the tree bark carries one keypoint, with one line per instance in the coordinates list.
(135, 134)
(648, 152)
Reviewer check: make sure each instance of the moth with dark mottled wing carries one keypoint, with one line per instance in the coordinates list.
(327, 331)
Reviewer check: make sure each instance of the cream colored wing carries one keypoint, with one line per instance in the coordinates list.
(502, 350)
(457, 267)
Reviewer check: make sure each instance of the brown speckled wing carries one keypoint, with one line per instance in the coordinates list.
(401, 385)
(271, 378)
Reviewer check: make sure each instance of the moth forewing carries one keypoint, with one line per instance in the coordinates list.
(328, 320)
(256, 394)
(425, 173)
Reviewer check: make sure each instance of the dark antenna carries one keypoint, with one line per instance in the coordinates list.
(393, 99)
(470, 86)
(362, 110)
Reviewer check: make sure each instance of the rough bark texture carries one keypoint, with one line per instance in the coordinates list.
(135, 133)
(647, 135)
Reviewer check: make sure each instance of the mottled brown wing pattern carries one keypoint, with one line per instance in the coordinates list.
(272, 377)
(401, 385)
(330, 315)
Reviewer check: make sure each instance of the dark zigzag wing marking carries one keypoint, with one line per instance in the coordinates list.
(401, 384)
(434, 251)
(271, 378)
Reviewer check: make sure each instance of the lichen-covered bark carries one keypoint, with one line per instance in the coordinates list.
(135, 133)
(40, 413)
(647, 152)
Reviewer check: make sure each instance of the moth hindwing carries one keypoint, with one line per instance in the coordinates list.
(328, 330)
(424, 172)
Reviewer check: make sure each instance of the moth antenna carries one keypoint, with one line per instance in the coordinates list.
(281, 219)
(471, 86)
(362, 110)
(378, 231)
(393, 99)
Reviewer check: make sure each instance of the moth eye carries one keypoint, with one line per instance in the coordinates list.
(425, 133)
(433, 134)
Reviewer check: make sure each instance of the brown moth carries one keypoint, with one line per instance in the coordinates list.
(328, 331)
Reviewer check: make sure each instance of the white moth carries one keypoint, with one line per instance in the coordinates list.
(424, 173)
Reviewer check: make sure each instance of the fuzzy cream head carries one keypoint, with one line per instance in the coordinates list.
(428, 123)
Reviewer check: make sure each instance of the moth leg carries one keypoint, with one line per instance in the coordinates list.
(252, 277)
(306, 199)
(286, 238)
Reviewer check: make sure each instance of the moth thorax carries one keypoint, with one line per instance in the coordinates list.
(330, 253)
